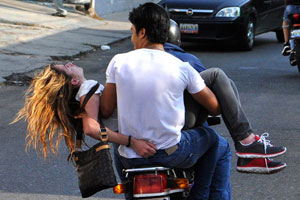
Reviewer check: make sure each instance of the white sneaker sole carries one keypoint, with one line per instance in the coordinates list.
(255, 155)
(260, 170)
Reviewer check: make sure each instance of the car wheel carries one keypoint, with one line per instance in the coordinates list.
(279, 35)
(248, 35)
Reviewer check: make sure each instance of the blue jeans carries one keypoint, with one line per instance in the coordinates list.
(220, 188)
(290, 9)
(198, 147)
(58, 4)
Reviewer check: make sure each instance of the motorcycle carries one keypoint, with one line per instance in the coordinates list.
(158, 182)
(162, 183)
(295, 40)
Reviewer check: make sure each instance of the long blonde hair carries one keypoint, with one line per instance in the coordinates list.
(47, 112)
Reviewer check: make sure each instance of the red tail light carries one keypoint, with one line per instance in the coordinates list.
(296, 20)
(150, 183)
(296, 17)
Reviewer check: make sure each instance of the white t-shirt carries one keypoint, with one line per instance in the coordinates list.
(86, 86)
(150, 85)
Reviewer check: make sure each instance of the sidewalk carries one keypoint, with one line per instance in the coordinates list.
(31, 38)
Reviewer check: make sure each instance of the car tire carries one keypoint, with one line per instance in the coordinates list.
(248, 36)
(279, 35)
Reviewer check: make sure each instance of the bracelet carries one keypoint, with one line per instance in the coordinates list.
(129, 140)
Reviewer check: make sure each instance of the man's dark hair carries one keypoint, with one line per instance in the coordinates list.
(154, 19)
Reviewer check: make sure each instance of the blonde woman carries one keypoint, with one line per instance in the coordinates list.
(48, 113)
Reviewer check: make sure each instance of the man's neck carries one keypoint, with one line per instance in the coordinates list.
(156, 46)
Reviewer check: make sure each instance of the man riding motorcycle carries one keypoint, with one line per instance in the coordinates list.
(149, 84)
(128, 162)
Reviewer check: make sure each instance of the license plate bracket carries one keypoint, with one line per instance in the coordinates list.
(295, 34)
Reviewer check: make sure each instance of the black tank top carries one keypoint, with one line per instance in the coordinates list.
(292, 2)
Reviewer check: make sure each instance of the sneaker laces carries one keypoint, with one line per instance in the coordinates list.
(266, 162)
(262, 139)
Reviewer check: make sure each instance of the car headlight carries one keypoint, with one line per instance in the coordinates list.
(229, 12)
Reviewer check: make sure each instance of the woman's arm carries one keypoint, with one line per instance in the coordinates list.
(91, 128)
(90, 117)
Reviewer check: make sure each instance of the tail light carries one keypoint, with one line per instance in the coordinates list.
(182, 183)
(296, 17)
(120, 189)
(296, 20)
(150, 183)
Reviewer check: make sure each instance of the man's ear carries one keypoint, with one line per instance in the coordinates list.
(74, 81)
(142, 33)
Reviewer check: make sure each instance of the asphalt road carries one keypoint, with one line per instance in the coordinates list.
(269, 91)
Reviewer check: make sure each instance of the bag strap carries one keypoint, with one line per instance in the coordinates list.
(80, 134)
(88, 96)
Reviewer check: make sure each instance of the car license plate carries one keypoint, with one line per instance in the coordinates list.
(189, 28)
(295, 33)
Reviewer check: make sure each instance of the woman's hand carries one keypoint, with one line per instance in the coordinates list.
(143, 148)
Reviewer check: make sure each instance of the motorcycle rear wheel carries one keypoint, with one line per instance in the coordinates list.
(297, 49)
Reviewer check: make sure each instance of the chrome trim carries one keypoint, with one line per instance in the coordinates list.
(176, 190)
(158, 194)
(174, 173)
(150, 195)
(146, 169)
(188, 10)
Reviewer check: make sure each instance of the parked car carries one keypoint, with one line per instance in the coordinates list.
(235, 20)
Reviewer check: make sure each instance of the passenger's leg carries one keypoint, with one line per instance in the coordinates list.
(227, 95)
(247, 145)
(286, 30)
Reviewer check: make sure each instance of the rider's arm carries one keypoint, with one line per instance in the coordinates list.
(208, 100)
(108, 100)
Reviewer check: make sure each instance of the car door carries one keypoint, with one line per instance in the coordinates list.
(263, 8)
(276, 14)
